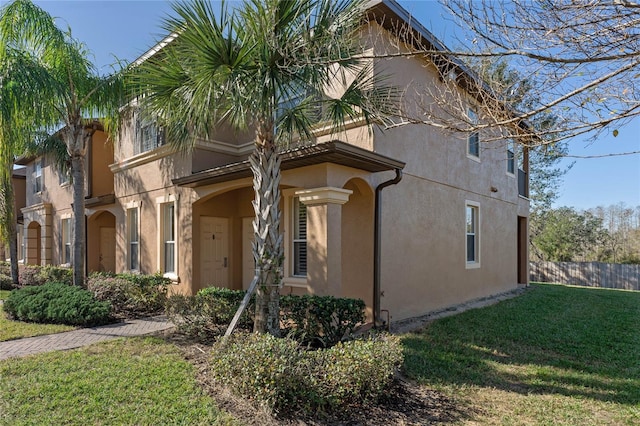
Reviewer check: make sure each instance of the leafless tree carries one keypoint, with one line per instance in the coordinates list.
(580, 57)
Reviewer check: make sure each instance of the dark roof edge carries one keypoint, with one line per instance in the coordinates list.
(330, 152)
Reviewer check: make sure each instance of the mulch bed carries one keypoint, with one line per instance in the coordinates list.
(404, 403)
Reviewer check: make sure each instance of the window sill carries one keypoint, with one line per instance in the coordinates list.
(295, 282)
(175, 279)
(473, 265)
(473, 158)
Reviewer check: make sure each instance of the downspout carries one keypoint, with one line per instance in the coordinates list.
(377, 252)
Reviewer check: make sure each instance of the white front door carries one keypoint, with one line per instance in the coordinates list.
(214, 251)
(248, 264)
(107, 249)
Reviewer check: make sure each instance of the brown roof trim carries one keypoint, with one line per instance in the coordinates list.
(101, 200)
(335, 152)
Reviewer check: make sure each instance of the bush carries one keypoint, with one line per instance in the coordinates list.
(34, 275)
(57, 303)
(130, 295)
(5, 268)
(6, 283)
(209, 312)
(320, 321)
(283, 376)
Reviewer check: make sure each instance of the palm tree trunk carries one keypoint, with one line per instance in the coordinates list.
(267, 246)
(13, 252)
(77, 174)
(9, 219)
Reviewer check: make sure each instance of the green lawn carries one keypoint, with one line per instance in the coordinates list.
(135, 381)
(10, 330)
(556, 355)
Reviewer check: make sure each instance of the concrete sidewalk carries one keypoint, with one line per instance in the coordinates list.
(82, 337)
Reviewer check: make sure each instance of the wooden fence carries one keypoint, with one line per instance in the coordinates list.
(587, 274)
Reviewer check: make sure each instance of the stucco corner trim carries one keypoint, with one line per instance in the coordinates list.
(324, 195)
(144, 158)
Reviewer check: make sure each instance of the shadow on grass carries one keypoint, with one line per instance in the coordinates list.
(552, 340)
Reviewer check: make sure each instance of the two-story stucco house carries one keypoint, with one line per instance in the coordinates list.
(410, 220)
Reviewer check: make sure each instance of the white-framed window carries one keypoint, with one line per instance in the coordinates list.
(133, 239)
(168, 237)
(511, 157)
(37, 176)
(64, 176)
(473, 141)
(299, 238)
(472, 228)
(65, 241)
(149, 136)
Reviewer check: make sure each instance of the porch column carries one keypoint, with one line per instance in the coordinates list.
(324, 238)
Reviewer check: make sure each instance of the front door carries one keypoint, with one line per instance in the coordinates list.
(107, 249)
(214, 252)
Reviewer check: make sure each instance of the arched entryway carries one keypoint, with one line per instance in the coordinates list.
(101, 242)
(34, 244)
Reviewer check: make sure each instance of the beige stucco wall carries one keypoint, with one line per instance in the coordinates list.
(101, 158)
(423, 217)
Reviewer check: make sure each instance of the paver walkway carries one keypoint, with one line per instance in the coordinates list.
(82, 337)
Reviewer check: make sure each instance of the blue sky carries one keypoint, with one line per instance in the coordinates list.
(126, 29)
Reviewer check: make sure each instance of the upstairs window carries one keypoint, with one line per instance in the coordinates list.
(37, 176)
(149, 136)
(511, 157)
(299, 242)
(473, 142)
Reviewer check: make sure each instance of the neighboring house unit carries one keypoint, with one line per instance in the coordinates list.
(452, 215)
(19, 181)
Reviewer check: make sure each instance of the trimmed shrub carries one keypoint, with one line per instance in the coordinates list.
(57, 303)
(209, 312)
(56, 274)
(356, 371)
(283, 376)
(130, 295)
(34, 275)
(320, 321)
(6, 283)
(5, 268)
(30, 276)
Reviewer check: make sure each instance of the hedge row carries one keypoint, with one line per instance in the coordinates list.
(319, 321)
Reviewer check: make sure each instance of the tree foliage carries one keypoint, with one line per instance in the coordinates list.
(582, 58)
(605, 234)
(61, 86)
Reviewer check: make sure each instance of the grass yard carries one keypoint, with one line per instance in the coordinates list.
(556, 355)
(134, 381)
(10, 330)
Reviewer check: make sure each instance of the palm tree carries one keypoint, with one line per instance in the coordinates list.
(76, 97)
(263, 66)
(19, 73)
